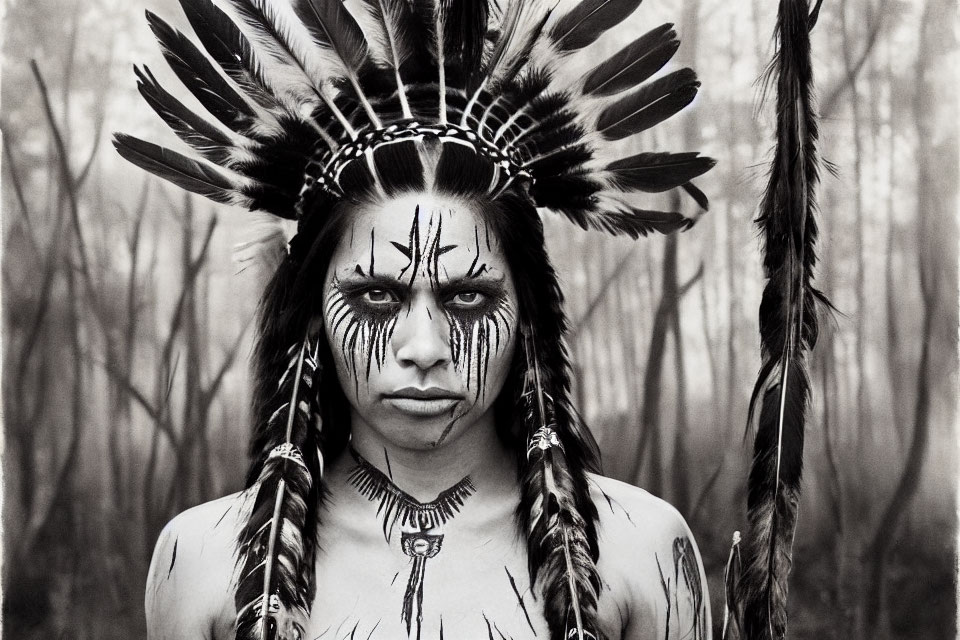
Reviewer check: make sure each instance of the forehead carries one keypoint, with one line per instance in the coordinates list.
(385, 233)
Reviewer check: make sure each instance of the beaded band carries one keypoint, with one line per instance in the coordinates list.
(289, 452)
(543, 439)
(324, 168)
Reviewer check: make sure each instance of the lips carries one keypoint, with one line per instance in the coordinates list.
(424, 403)
(430, 393)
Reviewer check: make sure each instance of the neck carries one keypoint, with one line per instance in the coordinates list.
(424, 473)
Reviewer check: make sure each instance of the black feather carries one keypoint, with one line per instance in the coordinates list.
(561, 161)
(633, 64)
(199, 75)
(464, 33)
(788, 330)
(587, 21)
(401, 33)
(559, 542)
(276, 548)
(230, 48)
(699, 196)
(514, 45)
(640, 222)
(333, 28)
(571, 194)
(529, 87)
(656, 172)
(649, 105)
(193, 175)
(190, 127)
(628, 221)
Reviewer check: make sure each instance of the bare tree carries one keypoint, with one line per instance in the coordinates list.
(937, 172)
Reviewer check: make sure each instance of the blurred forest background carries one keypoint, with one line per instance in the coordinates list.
(127, 328)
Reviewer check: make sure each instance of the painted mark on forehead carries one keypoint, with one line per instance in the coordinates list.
(424, 250)
(372, 243)
(474, 271)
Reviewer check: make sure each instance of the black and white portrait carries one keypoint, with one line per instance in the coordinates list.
(479, 319)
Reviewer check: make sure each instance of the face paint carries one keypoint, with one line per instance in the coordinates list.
(420, 317)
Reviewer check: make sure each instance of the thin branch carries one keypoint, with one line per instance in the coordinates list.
(686, 286)
(18, 191)
(208, 393)
(69, 187)
(594, 304)
(840, 87)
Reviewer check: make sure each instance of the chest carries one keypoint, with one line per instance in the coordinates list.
(448, 584)
(467, 580)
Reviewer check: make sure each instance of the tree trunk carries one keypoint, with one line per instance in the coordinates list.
(936, 186)
(863, 422)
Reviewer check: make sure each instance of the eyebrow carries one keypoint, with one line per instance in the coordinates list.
(482, 278)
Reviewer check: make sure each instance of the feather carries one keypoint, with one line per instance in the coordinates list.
(399, 31)
(587, 21)
(522, 28)
(698, 196)
(432, 16)
(649, 105)
(520, 32)
(788, 330)
(635, 222)
(464, 34)
(626, 220)
(275, 549)
(264, 243)
(199, 75)
(560, 549)
(333, 28)
(273, 31)
(231, 49)
(656, 172)
(205, 137)
(731, 576)
(193, 175)
(633, 64)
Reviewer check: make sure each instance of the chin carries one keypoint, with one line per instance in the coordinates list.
(419, 433)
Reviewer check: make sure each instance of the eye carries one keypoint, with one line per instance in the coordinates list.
(380, 297)
(466, 299)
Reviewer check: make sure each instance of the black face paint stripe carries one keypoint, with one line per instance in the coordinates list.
(476, 255)
(523, 606)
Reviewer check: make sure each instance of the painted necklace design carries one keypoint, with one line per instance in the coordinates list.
(419, 523)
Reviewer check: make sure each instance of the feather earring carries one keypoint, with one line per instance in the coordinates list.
(788, 330)
(276, 547)
(560, 550)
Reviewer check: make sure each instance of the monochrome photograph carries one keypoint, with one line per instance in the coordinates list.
(480, 319)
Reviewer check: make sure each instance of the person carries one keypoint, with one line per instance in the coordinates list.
(417, 467)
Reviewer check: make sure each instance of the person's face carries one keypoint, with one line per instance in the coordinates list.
(421, 314)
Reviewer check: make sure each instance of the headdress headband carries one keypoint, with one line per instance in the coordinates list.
(302, 92)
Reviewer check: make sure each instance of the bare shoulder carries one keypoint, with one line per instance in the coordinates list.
(188, 586)
(630, 515)
(650, 562)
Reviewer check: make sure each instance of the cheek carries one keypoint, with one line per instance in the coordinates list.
(359, 343)
(482, 348)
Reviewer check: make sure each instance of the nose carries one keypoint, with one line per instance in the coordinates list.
(422, 336)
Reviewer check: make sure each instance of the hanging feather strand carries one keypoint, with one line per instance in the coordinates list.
(275, 547)
(559, 547)
(788, 330)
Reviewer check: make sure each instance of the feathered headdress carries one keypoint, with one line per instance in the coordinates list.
(756, 586)
(305, 97)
